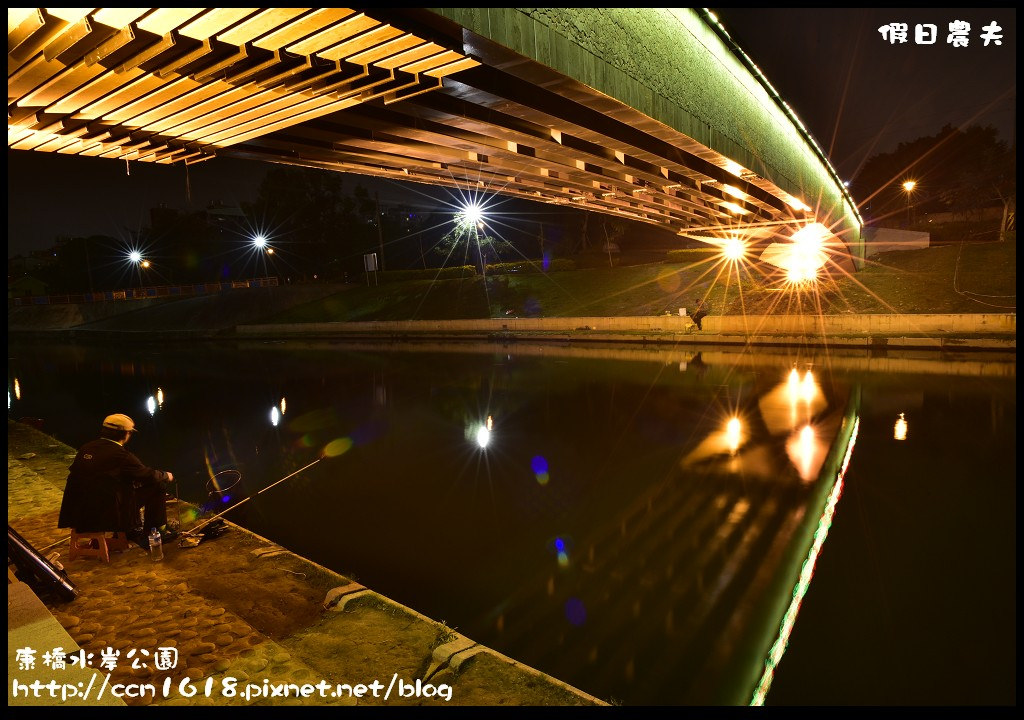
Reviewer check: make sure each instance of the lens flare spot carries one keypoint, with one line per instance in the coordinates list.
(17, 389)
(226, 499)
(306, 441)
(539, 465)
(575, 611)
(338, 446)
(560, 545)
(542, 478)
(563, 560)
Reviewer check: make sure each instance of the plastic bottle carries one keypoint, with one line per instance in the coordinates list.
(156, 548)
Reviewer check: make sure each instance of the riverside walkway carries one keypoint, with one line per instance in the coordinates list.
(246, 621)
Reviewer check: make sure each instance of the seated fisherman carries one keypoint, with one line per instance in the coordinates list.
(107, 485)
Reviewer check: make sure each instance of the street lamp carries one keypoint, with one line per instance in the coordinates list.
(909, 186)
(469, 222)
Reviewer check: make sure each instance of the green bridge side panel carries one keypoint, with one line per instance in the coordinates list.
(669, 64)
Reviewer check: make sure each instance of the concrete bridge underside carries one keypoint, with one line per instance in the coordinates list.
(648, 114)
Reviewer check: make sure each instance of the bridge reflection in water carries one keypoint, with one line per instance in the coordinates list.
(707, 566)
(642, 523)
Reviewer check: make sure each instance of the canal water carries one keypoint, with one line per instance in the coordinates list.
(653, 526)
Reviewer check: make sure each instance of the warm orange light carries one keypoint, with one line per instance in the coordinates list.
(734, 249)
(909, 186)
(808, 387)
(734, 191)
(733, 434)
(899, 431)
(733, 207)
(805, 451)
(806, 253)
(145, 263)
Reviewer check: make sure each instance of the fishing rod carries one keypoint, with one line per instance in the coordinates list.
(200, 526)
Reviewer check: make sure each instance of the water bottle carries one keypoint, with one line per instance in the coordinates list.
(156, 548)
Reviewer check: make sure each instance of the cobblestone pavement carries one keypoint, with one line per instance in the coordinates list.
(242, 607)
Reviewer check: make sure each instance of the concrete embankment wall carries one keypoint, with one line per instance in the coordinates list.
(980, 323)
(714, 324)
(57, 317)
(198, 314)
(666, 323)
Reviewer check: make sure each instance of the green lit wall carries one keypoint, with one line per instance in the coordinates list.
(670, 64)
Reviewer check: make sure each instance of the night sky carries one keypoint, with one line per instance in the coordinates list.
(858, 94)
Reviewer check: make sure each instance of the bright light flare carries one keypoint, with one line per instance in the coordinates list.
(899, 431)
(734, 208)
(808, 387)
(17, 389)
(275, 416)
(160, 397)
(805, 255)
(470, 215)
(151, 405)
(734, 191)
(733, 434)
(260, 242)
(909, 186)
(804, 450)
(483, 437)
(734, 249)
(283, 405)
(135, 256)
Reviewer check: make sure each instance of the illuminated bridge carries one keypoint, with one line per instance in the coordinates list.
(649, 114)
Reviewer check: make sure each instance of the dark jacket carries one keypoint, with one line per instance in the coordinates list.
(100, 489)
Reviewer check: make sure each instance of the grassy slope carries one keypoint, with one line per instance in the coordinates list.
(914, 281)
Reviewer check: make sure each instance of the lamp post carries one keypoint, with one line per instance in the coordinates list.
(909, 186)
(135, 257)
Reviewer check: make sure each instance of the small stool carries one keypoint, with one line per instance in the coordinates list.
(96, 544)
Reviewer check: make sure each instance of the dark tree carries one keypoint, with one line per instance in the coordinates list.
(959, 170)
(308, 216)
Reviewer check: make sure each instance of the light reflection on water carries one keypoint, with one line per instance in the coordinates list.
(624, 527)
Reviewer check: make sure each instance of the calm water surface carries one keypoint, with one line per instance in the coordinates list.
(596, 515)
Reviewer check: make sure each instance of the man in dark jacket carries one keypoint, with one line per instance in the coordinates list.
(699, 312)
(107, 485)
